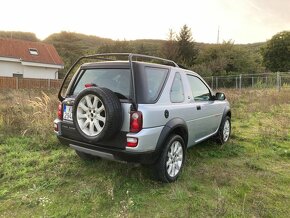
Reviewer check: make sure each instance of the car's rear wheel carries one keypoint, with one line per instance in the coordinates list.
(171, 161)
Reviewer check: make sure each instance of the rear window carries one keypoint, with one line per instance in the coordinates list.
(117, 80)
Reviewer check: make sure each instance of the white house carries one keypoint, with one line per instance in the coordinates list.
(25, 59)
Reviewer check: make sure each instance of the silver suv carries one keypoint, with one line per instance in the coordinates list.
(123, 108)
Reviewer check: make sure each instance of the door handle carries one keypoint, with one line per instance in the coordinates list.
(198, 107)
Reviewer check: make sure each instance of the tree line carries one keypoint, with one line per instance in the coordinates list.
(225, 58)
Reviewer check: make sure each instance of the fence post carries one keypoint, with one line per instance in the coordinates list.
(278, 82)
(252, 82)
(212, 82)
(240, 85)
(236, 82)
(17, 84)
(216, 83)
(48, 83)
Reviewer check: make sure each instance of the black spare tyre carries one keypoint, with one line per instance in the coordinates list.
(97, 114)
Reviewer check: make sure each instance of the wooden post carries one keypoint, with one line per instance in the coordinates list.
(17, 83)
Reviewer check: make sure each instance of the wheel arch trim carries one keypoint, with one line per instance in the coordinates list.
(177, 125)
(227, 111)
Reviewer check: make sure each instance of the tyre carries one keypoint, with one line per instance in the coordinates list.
(168, 167)
(224, 132)
(85, 156)
(97, 114)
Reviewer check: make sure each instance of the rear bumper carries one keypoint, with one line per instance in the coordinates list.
(111, 153)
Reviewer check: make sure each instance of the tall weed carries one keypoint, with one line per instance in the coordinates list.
(27, 112)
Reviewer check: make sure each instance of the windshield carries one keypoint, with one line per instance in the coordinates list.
(117, 80)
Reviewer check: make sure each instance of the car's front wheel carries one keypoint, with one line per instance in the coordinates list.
(224, 131)
(169, 166)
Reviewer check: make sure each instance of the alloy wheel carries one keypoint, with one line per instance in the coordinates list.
(91, 115)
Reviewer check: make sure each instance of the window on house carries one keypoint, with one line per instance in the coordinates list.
(18, 75)
(33, 51)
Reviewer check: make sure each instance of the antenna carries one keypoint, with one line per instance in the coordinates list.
(218, 35)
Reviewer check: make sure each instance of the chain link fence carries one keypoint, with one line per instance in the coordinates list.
(277, 80)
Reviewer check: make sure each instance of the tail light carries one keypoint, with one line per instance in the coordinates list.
(136, 121)
(59, 111)
(132, 142)
(90, 85)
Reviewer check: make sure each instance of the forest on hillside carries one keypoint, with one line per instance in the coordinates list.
(226, 58)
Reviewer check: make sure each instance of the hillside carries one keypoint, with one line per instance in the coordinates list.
(71, 45)
(19, 35)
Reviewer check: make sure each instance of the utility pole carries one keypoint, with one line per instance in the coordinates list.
(218, 35)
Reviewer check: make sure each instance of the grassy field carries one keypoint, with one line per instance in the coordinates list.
(247, 177)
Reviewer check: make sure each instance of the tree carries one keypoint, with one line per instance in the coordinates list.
(276, 54)
(169, 49)
(186, 47)
(227, 59)
(116, 47)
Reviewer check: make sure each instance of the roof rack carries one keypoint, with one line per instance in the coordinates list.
(104, 56)
(129, 55)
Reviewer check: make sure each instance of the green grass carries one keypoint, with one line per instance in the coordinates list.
(247, 177)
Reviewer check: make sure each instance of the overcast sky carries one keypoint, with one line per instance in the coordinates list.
(243, 21)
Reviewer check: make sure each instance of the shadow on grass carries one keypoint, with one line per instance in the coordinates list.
(129, 173)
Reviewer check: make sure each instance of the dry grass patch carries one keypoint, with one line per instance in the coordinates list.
(27, 112)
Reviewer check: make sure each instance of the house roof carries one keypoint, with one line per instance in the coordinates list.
(20, 49)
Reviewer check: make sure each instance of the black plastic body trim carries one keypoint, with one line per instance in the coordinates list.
(119, 154)
(227, 111)
(176, 125)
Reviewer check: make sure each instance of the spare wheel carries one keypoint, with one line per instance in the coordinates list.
(97, 114)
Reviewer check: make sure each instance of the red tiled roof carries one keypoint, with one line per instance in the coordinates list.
(13, 48)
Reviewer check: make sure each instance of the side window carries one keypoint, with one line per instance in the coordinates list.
(199, 90)
(177, 92)
(155, 78)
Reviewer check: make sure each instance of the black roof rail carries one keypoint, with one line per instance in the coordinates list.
(153, 58)
(130, 57)
(103, 56)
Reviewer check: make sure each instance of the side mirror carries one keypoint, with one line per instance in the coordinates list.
(220, 96)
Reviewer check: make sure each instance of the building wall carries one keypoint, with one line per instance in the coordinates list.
(7, 68)
(39, 72)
